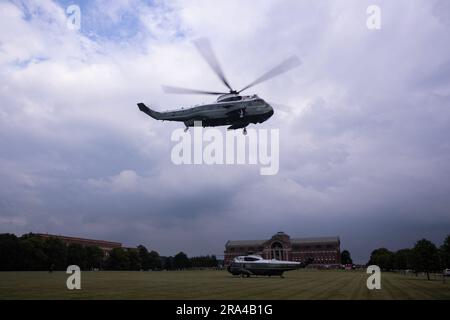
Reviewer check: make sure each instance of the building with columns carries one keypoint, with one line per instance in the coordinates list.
(316, 251)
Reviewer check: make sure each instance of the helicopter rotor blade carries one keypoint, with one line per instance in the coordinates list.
(178, 90)
(282, 107)
(283, 67)
(204, 47)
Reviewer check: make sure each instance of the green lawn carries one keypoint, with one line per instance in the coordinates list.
(301, 284)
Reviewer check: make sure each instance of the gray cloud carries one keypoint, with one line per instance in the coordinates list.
(364, 152)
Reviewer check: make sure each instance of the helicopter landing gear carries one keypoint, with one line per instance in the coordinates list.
(186, 129)
(244, 131)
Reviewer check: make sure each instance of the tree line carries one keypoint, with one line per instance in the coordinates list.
(425, 256)
(33, 253)
(181, 261)
(346, 257)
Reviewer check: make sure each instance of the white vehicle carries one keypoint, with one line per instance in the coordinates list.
(446, 273)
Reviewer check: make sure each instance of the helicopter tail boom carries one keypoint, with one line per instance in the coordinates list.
(154, 114)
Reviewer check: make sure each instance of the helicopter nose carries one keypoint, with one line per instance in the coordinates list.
(270, 111)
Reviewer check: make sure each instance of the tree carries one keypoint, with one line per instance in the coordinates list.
(383, 258)
(204, 262)
(155, 260)
(425, 257)
(145, 257)
(214, 262)
(33, 253)
(118, 259)
(9, 252)
(149, 260)
(168, 263)
(134, 261)
(181, 261)
(56, 252)
(94, 257)
(403, 259)
(445, 253)
(76, 255)
(346, 258)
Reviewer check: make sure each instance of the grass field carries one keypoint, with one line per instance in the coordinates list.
(301, 284)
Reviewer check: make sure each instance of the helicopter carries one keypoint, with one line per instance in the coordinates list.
(231, 108)
(251, 265)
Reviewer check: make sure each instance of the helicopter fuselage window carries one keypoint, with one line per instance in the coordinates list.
(250, 259)
(232, 99)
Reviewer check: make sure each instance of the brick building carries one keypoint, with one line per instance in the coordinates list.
(105, 246)
(316, 251)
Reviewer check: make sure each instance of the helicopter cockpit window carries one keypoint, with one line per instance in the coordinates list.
(257, 102)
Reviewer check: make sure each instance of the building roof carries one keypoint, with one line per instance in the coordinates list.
(237, 243)
(100, 243)
(314, 240)
(241, 243)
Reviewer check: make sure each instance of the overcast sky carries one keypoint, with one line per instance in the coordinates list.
(364, 149)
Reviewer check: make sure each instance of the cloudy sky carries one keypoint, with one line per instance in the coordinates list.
(364, 147)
